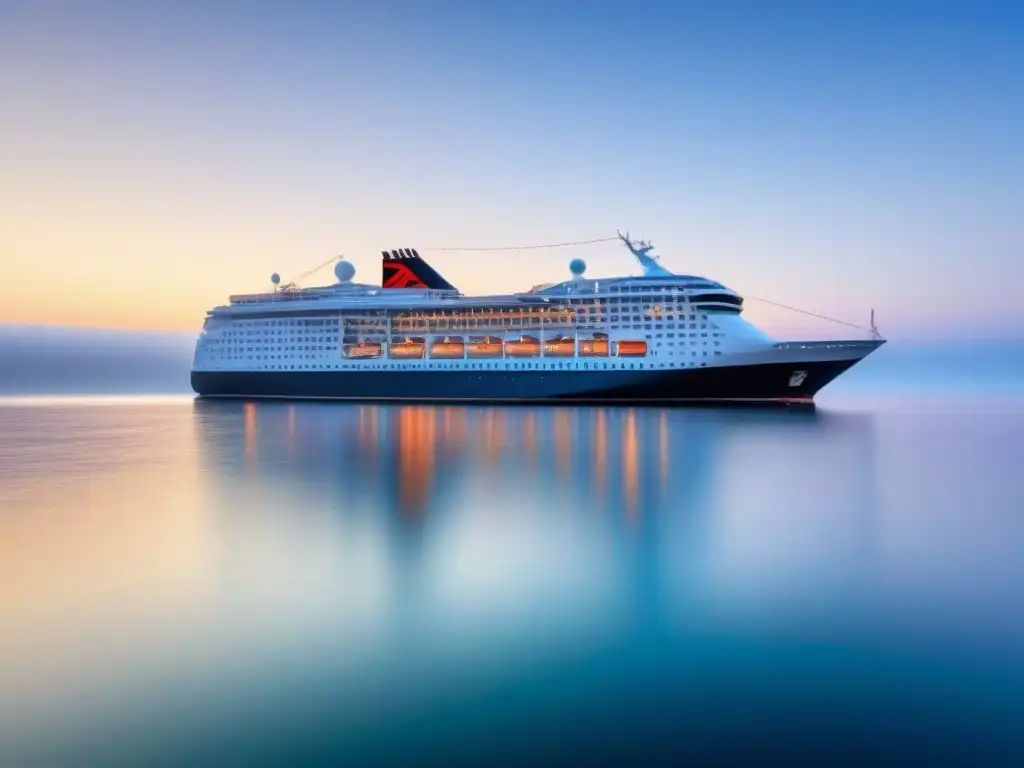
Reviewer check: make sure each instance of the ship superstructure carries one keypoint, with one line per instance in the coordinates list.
(655, 337)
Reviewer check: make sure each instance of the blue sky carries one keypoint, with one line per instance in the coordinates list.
(835, 156)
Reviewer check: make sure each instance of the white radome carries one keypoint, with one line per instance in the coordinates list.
(344, 271)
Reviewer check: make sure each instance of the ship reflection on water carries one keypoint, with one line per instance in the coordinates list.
(737, 501)
(634, 460)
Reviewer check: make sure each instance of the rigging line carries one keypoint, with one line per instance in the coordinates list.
(313, 271)
(805, 312)
(528, 247)
(306, 274)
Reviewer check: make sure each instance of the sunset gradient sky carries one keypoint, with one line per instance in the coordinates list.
(156, 157)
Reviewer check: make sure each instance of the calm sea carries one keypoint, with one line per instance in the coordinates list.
(200, 583)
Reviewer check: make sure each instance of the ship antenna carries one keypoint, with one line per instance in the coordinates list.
(641, 249)
(638, 247)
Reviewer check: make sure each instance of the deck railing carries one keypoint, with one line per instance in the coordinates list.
(853, 344)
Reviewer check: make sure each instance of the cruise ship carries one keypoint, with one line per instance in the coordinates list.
(658, 337)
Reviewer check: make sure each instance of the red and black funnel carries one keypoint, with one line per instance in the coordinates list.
(405, 268)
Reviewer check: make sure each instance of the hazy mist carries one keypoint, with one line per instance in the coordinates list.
(35, 360)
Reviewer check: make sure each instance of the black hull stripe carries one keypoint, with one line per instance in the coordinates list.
(525, 401)
(776, 382)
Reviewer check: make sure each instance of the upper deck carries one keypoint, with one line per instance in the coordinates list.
(408, 283)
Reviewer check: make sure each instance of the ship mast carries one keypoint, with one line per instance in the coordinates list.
(642, 251)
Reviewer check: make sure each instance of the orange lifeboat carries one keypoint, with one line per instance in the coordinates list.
(593, 347)
(562, 347)
(406, 350)
(525, 346)
(632, 348)
(487, 346)
(363, 350)
(449, 349)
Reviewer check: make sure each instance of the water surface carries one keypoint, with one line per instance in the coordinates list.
(189, 581)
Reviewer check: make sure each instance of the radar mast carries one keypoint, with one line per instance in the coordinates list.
(641, 249)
